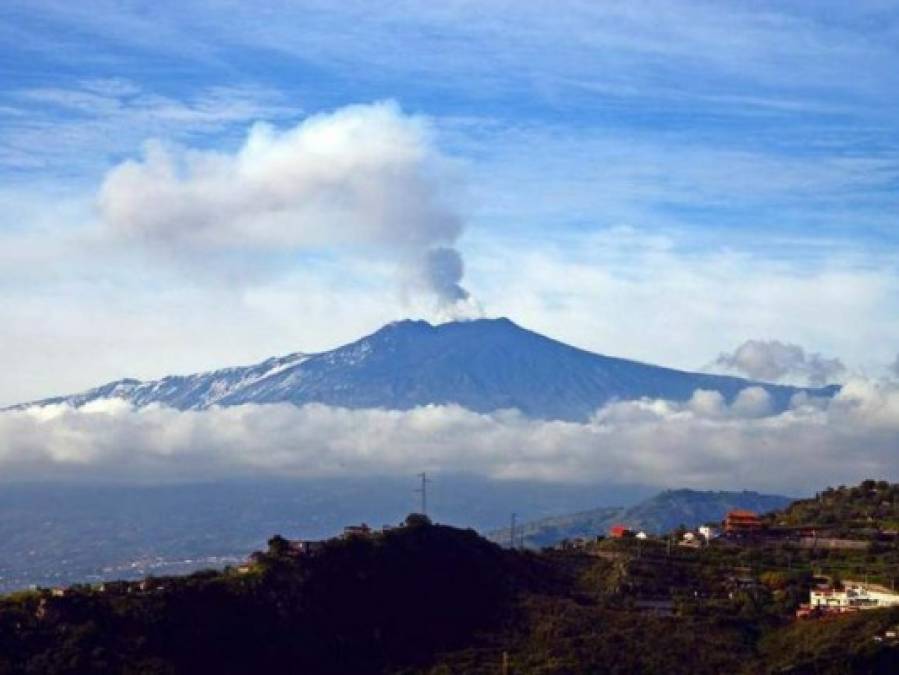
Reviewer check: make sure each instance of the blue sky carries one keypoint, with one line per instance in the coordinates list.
(657, 180)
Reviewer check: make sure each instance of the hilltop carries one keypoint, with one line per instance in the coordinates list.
(483, 365)
(362, 604)
(871, 505)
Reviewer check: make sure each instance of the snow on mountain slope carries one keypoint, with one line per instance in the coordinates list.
(483, 365)
(184, 392)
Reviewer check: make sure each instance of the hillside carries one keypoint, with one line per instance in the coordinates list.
(362, 605)
(433, 599)
(656, 515)
(483, 365)
(871, 505)
(692, 508)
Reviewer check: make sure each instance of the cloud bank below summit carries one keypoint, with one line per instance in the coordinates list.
(700, 443)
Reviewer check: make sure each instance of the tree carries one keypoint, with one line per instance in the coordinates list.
(278, 546)
(417, 520)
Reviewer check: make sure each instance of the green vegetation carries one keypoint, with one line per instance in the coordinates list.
(361, 605)
(867, 508)
(426, 598)
(840, 645)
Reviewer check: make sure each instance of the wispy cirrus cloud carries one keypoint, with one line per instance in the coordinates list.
(781, 58)
(735, 191)
(75, 132)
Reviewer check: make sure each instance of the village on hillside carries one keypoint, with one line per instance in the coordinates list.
(775, 551)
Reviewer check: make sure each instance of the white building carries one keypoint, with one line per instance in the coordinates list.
(851, 598)
(708, 532)
(690, 540)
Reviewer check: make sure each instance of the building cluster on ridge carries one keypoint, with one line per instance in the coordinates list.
(746, 529)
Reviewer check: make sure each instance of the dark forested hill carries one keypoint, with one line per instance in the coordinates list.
(361, 605)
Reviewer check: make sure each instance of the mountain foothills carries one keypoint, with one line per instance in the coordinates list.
(661, 513)
(483, 365)
(426, 598)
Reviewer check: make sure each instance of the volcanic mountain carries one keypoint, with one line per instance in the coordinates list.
(483, 365)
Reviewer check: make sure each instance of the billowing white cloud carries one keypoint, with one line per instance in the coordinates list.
(752, 402)
(772, 360)
(700, 443)
(361, 177)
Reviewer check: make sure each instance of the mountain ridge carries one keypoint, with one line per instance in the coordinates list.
(483, 365)
(656, 515)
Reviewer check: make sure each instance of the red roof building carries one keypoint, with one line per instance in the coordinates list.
(619, 531)
(739, 521)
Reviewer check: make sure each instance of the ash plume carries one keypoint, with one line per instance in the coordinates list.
(364, 180)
